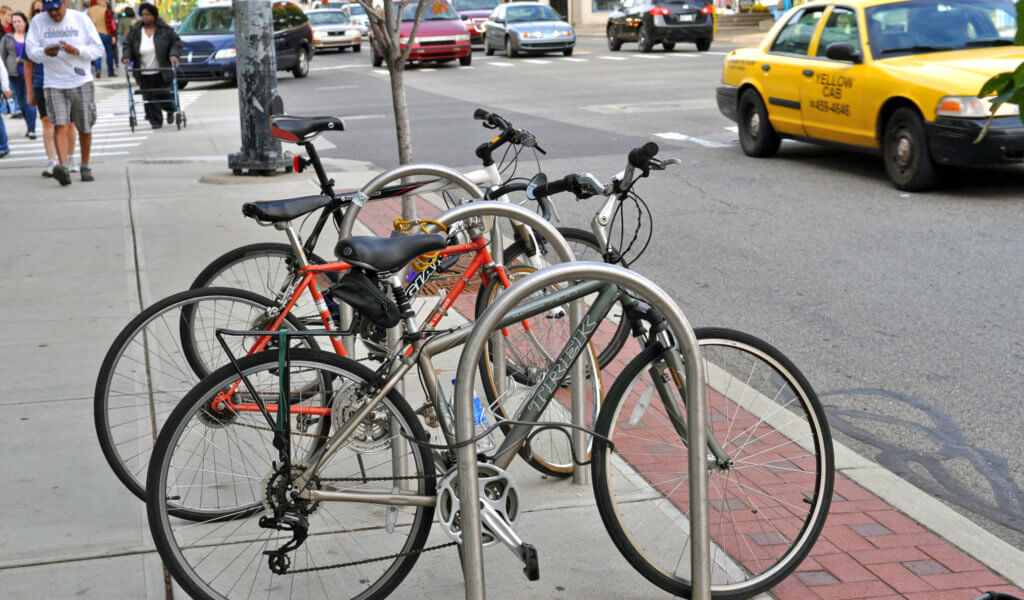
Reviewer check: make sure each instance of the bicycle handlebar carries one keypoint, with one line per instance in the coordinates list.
(640, 158)
(498, 191)
(493, 119)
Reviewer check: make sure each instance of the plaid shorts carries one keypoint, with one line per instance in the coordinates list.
(75, 105)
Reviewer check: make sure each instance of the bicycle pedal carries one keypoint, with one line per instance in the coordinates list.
(532, 568)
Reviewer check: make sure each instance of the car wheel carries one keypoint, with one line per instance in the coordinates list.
(357, 48)
(466, 60)
(645, 41)
(668, 46)
(509, 50)
(567, 51)
(757, 136)
(703, 44)
(614, 43)
(375, 58)
(905, 148)
(488, 50)
(301, 64)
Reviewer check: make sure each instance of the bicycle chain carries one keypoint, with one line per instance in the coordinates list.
(370, 560)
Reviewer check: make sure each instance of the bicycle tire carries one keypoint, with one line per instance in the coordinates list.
(759, 528)
(144, 377)
(578, 239)
(241, 268)
(549, 451)
(330, 534)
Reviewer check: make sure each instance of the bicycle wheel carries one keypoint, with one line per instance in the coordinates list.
(529, 354)
(767, 508)
(584, 246)
(149, 368)
(266, 269)
(225, 472)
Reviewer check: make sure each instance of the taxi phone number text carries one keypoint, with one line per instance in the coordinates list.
(838, 108)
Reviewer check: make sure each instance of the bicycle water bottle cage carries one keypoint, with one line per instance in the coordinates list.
(363, 292)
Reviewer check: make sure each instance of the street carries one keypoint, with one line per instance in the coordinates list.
(898, 307)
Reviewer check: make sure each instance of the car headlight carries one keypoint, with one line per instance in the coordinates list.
(565, 32)
(462, 38)
(318, 35)
(972, 107)
(225, 53)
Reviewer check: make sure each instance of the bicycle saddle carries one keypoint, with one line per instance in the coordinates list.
(387, 254)
(275, 211)
(302, 129)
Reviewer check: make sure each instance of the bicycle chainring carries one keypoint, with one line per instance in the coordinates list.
(497, 489)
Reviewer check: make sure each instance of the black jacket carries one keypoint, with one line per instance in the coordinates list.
(165, 40)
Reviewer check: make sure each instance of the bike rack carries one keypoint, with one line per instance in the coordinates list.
(472, 549)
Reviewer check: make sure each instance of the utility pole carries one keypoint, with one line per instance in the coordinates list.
(256, 72)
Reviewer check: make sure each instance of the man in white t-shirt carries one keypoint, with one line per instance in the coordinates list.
(67, 43)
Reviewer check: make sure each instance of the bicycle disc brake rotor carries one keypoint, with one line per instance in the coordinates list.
(497, 490)
(373, 434)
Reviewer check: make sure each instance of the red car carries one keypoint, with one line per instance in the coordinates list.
(441, 37)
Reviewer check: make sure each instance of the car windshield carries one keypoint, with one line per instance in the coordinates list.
(475, 4)
(904, 28)
(437, 10)
(538, 12)
(356, 9)
(334, 17)
(208, 20)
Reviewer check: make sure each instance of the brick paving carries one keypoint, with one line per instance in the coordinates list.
(867, 550)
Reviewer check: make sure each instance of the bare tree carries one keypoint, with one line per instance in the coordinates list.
(385, 27)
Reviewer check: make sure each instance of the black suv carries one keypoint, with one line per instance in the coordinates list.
(208, 41)
(665, 22)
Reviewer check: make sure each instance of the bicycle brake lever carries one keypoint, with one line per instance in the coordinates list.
(537, 147)
(661, 165)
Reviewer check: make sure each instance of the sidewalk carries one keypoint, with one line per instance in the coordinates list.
(81, 260)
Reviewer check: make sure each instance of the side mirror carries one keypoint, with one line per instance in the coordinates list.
(843, 51)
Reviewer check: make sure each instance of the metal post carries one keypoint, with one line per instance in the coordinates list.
(693, 369)
(256, 72)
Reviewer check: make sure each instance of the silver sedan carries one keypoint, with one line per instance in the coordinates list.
(333, 28)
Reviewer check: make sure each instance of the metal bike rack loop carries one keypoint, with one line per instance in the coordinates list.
(472, 549)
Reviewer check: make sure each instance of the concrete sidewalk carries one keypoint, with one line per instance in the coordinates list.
(81, 260)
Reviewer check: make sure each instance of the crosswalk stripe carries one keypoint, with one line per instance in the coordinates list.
(575, 59)
(537, 61)
(651, 56)
(499, 64)
(43, 157)
(611, 58)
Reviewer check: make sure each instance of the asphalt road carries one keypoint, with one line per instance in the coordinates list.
(902, 309)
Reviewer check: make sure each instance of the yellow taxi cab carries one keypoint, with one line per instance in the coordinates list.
(899, 77)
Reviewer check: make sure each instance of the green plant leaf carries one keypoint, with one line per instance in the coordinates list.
(1020, 24)
(996, 84)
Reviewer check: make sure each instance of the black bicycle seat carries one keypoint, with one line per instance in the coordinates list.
(275, 211)
(302, 129)
(387, 254)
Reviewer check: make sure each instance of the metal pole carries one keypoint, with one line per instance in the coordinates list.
(256, 73)
(700, 562)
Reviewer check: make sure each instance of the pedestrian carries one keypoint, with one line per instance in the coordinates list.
(67, 43)
(152, 44)
(35, 97)
(125, 22)
(103, 19)
(5, 20)
(5, 92)
(12, 54)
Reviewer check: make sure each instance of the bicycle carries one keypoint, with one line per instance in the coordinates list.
(276, 509)
(169, 346)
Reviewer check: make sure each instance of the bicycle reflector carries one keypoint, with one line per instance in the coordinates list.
(660, 10)
(298, 163)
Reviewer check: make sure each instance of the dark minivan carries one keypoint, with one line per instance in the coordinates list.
(665, 22)
(208, 40)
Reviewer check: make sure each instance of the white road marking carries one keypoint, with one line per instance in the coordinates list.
(611, 58)
(381, 71)
(338, 87)
(465, 67)
(339, 67)
(654, 56)
(426, 70)
(575, 59)
(682, 54)
(361, 117)
(733, 128)
(537, 61)
(716, 53)
(42, 157)
(680, 137)
(500, 64)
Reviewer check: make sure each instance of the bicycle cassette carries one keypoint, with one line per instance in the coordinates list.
(373, 434)
(497, 490)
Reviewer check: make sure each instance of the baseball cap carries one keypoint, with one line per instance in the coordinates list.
(52, 4)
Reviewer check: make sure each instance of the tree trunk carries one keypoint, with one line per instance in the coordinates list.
(402, 130)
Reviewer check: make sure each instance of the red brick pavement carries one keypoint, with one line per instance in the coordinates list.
(867, 550)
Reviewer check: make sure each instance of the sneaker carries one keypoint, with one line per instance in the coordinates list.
(156, 124)
(87, 174)
(72, 166)
(3, 154)
(170, 118)
(48, 171)
(60, 173)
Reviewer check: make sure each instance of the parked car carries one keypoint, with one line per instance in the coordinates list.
(332, 28)
(665, 22)
(208, 42)
(896, 77)
(441, 37)
(527, 27)
(474, 14)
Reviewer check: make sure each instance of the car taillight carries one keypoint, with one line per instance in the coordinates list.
(659, 10)
(708, 10)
